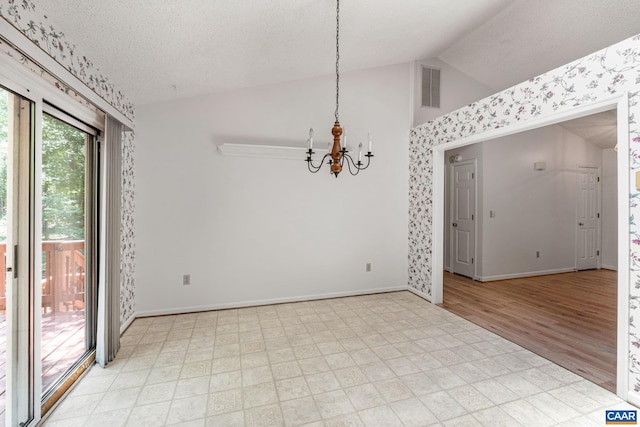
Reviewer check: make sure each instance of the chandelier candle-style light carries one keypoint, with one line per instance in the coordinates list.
(338, 153)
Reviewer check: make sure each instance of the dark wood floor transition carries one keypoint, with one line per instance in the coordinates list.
(568, 318)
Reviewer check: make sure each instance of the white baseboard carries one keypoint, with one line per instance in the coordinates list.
(633, 397)
(525, 274)
(419, 293)
(609, 267)
(241, 304)
(127, 323)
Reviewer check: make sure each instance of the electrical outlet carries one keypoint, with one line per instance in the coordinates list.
(368, 267)
(537, 254)
(186, 279)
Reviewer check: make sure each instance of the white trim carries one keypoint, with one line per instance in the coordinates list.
(619, 101)
(40, 57)
(127, 323)
(267, 151)
(253, 303)
(633, 397)
(438, 226)
(624, 185)
(412, 93)
(605, 104)
(420, 294)
(525, 274)
(609, 267)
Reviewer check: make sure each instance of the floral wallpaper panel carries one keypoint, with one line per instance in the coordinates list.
(127, 230)
(605, 73)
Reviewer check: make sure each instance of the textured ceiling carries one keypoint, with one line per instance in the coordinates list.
(169, 49)
(599, 129)
(529, 38)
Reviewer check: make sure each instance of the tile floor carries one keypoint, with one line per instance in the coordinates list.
(378, 360)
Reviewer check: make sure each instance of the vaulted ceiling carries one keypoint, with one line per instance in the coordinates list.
(599, 129)
(169, 49)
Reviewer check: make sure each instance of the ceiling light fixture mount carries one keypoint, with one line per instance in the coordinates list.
(338, 154)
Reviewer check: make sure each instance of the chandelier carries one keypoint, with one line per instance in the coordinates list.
(338, 155)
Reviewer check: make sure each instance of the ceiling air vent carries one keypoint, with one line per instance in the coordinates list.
(430, 87)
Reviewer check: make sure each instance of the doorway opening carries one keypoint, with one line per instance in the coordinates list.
(488, 270)
(541, 221)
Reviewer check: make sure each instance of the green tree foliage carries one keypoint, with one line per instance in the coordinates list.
(63, 173)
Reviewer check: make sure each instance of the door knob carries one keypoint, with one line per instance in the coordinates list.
(581, 224)
(455, 224)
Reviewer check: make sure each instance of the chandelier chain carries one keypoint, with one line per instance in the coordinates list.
(337, 58)
(338, 154)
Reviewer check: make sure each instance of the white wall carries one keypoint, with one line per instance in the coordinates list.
(609, 209)
(255, 230)
(534, 210)
(457, 89)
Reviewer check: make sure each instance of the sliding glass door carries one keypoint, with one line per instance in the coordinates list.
(4, 154)
(68, 305)
(48, 236)
(17, 291)
(67, 326)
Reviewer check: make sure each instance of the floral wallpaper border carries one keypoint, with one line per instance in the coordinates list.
(22, 14)
(609, 71)
(7, 49)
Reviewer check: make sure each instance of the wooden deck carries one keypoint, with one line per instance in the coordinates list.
(63, 342)
(567, 318)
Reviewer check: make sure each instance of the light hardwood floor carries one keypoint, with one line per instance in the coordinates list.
(567, 318)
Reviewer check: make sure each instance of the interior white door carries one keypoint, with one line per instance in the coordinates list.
(588, 218)
(463, 233)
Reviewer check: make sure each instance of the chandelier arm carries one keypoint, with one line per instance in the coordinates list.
(368, 156)
(313, 168)
(358, 167)
(351, 164)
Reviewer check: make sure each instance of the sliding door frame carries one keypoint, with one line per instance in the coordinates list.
(61, 385)
(22, 335)
(41, 93)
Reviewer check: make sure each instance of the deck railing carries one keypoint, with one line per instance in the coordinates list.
(62, 279)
